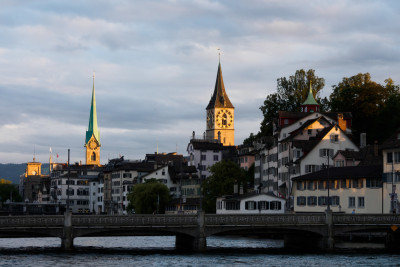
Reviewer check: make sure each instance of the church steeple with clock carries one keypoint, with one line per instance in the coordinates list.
(92, 141)
(220, 114)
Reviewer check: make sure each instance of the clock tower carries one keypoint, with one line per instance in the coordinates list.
(92, 141)
(220, 114)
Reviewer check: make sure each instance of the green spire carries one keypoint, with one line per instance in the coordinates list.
(92, 129)
(310, 98)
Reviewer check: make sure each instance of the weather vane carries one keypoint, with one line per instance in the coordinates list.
(219, 54)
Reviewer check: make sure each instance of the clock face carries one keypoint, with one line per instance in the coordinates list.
(92, 145)
(224, 118)
(210, 119)
(33, 172)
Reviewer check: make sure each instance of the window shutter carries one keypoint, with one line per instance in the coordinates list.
(331, 152)
(321, 152)
(368, 182)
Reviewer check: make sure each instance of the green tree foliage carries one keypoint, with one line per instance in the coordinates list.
(370, 104)
(224, 175)
(150, 197)
(6, 190)
(291, 93)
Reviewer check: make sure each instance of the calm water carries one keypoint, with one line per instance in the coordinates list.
(159, 251)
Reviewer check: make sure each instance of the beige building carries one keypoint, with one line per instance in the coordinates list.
(355, 189)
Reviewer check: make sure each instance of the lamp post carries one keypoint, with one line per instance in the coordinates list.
(68, 183)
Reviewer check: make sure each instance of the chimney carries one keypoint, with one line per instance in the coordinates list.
(376, 148)
(363, 140)
(342, 122)
(193, 135)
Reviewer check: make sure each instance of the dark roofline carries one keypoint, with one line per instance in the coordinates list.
(371, 171)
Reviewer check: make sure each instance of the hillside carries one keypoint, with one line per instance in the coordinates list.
(12, 171)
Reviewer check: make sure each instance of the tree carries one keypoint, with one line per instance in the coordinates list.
(7, 190)
(224, 175)
(150, 197)
(369, 102)
(291, 93)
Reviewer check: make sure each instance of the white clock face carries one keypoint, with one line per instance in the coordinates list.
(224, 118)
(33, 172)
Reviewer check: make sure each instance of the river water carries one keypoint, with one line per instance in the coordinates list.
(160, 251)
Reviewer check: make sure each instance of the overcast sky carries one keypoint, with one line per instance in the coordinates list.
(156, 64)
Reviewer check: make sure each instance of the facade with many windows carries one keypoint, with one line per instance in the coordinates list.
(355, 188)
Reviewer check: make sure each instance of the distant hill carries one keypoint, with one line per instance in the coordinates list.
(12, 171)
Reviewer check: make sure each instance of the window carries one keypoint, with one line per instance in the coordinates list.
(373, 182)
(250, 205)
(361, 202)
(203, 157)
(301, 201)
(352, 202)
(310, 185)
(334, 138)
(163, 172)
(263, 205)
(233, 205)
(335, 201)
(311, 201)
(309, 131)
(326, 152)
(339, 163)
(322, 201)
(275, 205)
(301, 185)
(127, 175)
(71, 192)
(215, 157)
(311, 168)
(389, 157)
(396, 157)
(322, 185)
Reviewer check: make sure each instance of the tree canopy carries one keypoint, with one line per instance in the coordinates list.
(372, 105)
(291, 93)
(150, 197)
(6, 190)
(224, 176)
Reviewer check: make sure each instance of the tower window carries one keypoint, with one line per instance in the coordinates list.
(93, 157)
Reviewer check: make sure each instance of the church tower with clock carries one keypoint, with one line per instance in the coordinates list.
(92, 141)
(220, 114)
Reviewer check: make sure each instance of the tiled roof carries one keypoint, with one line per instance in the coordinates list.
(371, 171)
(207, 145)
(393, 141)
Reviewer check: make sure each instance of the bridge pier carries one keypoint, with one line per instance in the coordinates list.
(393, 241)
(67, 240)
(197, 242)
(329, 241)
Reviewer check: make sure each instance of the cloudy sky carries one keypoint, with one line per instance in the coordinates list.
(156, 64)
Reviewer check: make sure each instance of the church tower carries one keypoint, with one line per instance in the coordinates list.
(220, 114)
(92, 142)
(310, 104)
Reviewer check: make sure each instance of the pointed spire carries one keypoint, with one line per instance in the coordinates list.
(92, 128)
(219, 98)
(310, 98)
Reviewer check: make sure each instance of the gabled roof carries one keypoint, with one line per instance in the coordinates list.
(219, 99)
(205, 145)
(371, 171)
(393, 141)
(249, 195)
(302, 127)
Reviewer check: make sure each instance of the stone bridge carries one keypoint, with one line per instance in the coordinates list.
(191, 231)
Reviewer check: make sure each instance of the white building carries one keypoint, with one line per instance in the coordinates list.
(250, 204)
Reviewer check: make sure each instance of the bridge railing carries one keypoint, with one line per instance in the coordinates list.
(32, 221)
(271, 219)
(134, 220)
(366, 219)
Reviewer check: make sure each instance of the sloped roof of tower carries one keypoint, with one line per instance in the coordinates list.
(219, 99)
(92, 128)
(310, 98)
